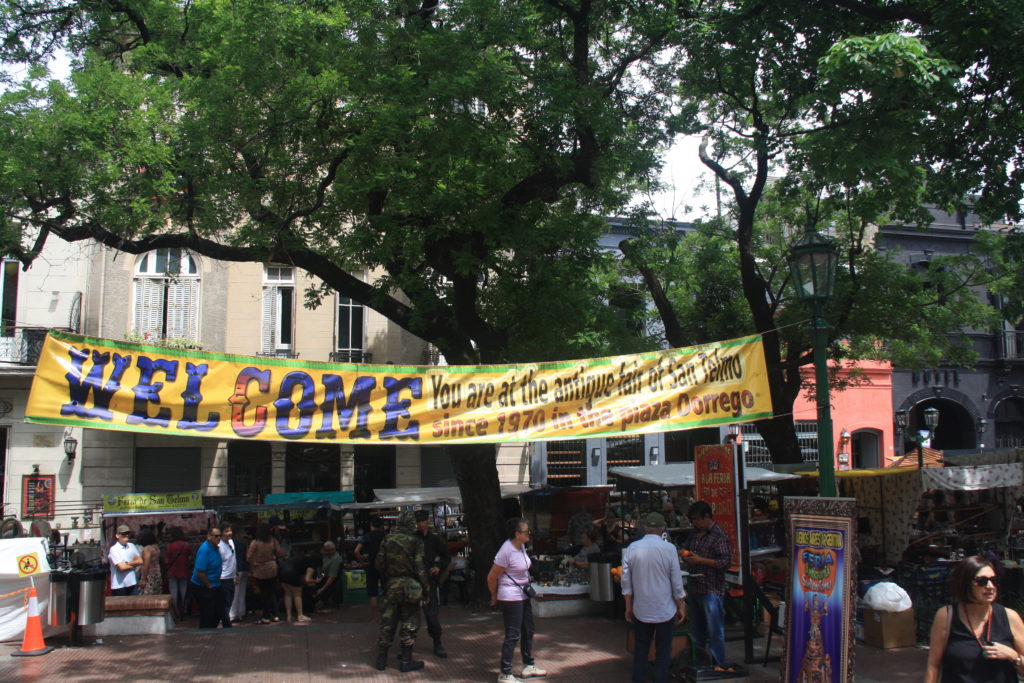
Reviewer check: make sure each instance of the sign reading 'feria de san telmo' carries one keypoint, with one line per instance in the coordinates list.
(136, 502)
(105, 384)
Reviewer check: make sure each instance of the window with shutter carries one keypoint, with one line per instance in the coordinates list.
(166, 297)
(278, 309)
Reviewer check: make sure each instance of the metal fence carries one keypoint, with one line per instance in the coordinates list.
(757, 451)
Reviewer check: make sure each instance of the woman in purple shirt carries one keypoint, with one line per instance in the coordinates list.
(508, 580)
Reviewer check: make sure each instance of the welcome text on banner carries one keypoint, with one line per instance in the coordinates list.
(105, 384)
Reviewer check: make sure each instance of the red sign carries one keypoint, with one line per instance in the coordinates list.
(37, 495)
(715, 480)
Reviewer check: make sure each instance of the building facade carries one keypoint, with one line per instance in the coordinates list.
(980, 406)
(176, 298)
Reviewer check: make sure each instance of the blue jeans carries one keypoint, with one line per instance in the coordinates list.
(662, 636)
(707, 624)
(518, 617)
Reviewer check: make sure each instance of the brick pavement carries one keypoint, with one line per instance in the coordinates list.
(341, 645)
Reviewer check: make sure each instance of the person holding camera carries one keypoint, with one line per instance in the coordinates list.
(509, 583)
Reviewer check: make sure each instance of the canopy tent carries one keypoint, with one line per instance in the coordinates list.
(309, 497)
(681, 474)
(974, 477)
(437, 494)
(890, 497)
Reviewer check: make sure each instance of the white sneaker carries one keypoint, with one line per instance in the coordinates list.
(508, 678)
(532, 671)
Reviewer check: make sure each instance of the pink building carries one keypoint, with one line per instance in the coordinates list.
(862, 417)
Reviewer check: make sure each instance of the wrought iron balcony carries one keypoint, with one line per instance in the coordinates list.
(351, 356)
(22, 345)
(278, 354)
(1010, 345)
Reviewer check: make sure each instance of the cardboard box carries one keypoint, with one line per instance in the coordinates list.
(680, 645)
(889, 629)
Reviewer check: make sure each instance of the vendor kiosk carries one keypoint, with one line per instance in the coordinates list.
(157, 511)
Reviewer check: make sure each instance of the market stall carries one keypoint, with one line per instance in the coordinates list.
(914, 525)
(156, 511)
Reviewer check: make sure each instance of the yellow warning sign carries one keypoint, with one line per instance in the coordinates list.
(28, 564)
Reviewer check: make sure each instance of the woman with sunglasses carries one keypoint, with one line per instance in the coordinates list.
(975, 639)
(508, 581)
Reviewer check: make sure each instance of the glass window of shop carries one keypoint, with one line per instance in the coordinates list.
(166, 470)
(312, 467)
(249, 468)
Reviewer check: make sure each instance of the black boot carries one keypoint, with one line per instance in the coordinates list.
(439, 650)
(406, 662)
(382, 658)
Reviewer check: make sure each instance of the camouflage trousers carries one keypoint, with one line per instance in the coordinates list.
(398, 613)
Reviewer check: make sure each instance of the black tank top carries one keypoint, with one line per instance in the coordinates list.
(964, 662)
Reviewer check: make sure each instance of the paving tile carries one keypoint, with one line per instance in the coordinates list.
(342, 646)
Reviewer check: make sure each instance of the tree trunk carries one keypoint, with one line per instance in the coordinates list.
(779, 436)
(476, 471)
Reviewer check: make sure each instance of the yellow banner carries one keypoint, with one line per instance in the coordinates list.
(152, 502)
(105, 384)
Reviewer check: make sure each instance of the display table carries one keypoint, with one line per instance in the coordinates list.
(564, 601)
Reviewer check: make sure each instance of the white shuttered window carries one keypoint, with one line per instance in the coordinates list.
(278, 309)
(166, 295)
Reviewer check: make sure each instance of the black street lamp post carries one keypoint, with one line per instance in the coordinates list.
(812, 266)
(931, 421)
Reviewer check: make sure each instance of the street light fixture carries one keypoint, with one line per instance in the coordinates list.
(70, 448)
(812, 266)
(931, 421)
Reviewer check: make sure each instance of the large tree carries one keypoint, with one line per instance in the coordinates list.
(837, 115)
(462, 149)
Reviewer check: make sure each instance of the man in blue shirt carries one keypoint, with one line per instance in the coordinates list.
(652, 585)
(206, 580)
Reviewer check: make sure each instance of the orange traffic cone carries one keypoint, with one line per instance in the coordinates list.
(33, 644)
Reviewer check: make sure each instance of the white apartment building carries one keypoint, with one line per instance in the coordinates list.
(179, 298)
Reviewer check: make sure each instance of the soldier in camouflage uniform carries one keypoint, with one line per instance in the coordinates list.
(400, 564)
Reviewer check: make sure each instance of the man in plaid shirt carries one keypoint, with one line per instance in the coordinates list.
(708, 553)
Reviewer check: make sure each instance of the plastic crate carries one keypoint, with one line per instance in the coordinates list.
(932, 580)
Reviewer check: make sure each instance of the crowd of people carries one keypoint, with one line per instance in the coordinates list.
(213, 577)
(406, 569)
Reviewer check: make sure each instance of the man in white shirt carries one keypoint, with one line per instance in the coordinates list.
(228, 569)
(652, 584)
(124, 557)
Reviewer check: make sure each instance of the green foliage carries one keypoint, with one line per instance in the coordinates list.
(460, 150)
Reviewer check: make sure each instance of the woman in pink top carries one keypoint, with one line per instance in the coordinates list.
(508, 580)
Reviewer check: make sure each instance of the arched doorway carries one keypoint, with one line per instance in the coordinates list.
(956, 429)
(866, 449)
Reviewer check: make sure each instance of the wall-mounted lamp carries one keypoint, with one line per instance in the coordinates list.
(70, 448)
(844, 440)
(982, 423)
(595, 457)
(653, 455)
(35, 469)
